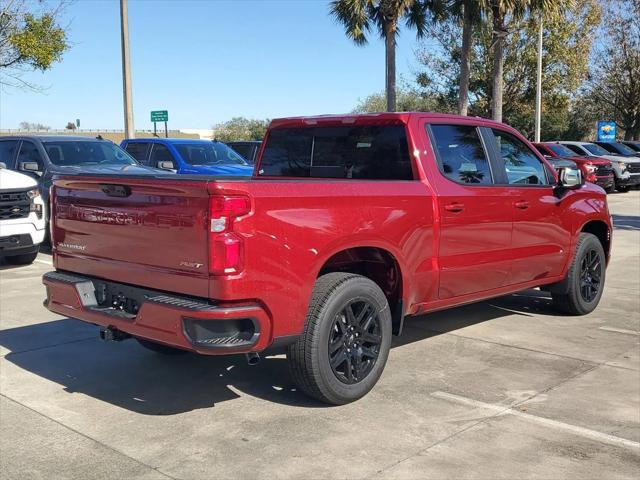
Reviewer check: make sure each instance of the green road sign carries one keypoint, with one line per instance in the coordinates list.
(78, 122)
(160, 116)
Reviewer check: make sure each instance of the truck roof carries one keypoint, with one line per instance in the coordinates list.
(176, 141)
(54, 138)
(367, 118)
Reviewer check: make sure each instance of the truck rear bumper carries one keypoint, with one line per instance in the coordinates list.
(174, 320)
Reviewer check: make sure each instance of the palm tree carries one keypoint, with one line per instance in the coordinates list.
(500, 10)
(361, 16)
(471, 12)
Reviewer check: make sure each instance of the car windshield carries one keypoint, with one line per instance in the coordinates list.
(622, 148)
(214, 153)
(562, 151)
(596, 149)
(89, 152)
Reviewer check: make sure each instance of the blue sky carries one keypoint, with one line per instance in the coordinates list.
(205, 61)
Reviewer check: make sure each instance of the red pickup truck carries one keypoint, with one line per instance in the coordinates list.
(348, 225)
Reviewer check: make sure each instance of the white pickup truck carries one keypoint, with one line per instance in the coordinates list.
(22, 217)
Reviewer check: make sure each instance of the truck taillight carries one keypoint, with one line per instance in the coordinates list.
(226, 248)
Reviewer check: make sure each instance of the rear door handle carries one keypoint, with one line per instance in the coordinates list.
(522, 205)
(454, 207)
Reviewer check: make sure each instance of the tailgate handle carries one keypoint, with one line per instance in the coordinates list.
(115, 190)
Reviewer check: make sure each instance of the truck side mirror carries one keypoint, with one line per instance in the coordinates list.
(29, 166)
(3, 165)
(569, 178)
(165, 165)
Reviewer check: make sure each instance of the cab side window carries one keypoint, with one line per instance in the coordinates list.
(461, 154)
(522, 166)
(139, 151)
(160, 153)
(29, 153)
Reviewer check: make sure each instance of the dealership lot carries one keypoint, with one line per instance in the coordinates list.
(501, 389)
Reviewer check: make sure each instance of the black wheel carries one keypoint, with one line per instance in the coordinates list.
(622, 189)
(344, 347)
(23, 259)
(585, 278)
(160, 348)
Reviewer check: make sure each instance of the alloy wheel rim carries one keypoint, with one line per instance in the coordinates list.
(590, 275)
(354, 341)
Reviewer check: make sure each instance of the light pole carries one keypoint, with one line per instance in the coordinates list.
(539, 86)
(129, 130)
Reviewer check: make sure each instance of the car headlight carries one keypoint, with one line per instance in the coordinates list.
(35, 207)
(623, 166)
(590, 167)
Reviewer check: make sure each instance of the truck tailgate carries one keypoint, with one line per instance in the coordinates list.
(141, 231)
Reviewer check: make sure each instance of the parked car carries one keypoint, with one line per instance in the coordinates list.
(349, 224)
(22, 217)
(626, 170)
(595, 170)
(618, 148)
(188, 156)
(248, 149)
(43, 157)
(635, 145)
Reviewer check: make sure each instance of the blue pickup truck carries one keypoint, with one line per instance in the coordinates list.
(188, 156)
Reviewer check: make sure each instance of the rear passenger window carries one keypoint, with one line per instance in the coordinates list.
(373, 152)
(522, 166)
(460, 154)
(139, 151)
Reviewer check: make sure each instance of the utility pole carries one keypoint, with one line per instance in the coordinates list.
(129, 130)
(539, 85)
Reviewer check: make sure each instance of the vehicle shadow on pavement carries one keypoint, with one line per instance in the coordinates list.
(626, 222)
(126, 375)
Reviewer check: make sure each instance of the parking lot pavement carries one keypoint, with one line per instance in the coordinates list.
(501, 389)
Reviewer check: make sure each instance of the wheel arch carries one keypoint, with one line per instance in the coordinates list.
(379, 265)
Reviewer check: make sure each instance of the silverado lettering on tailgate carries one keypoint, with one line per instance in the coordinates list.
(119, 217)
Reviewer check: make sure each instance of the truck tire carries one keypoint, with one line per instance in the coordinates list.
(23, 259)
(345, 344)
(160, 348)
(623, 189)
(585, 278)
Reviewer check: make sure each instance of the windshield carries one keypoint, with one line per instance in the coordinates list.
(213, 153)
(562, 151)
(596, 149)
(622, 148)
(90, 152)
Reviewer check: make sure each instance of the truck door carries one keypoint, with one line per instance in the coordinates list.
(541, 227)
(475, 213)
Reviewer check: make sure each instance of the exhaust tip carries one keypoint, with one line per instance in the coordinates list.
(253, 358)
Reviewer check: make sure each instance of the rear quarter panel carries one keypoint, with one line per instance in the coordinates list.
(296, 226)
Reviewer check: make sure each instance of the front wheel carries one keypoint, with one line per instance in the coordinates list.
(585, 279)
(623, 189)
(344, 347)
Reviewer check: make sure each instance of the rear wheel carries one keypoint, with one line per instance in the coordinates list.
(344, 348)
(160, 348)
(585, 279)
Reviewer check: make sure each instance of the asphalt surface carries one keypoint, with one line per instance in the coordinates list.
(501, 389)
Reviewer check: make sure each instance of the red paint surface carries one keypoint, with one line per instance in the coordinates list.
(158, 236)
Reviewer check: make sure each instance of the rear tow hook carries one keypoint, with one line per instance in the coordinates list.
(113, 335)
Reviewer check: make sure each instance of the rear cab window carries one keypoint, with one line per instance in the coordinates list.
(365, 152)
